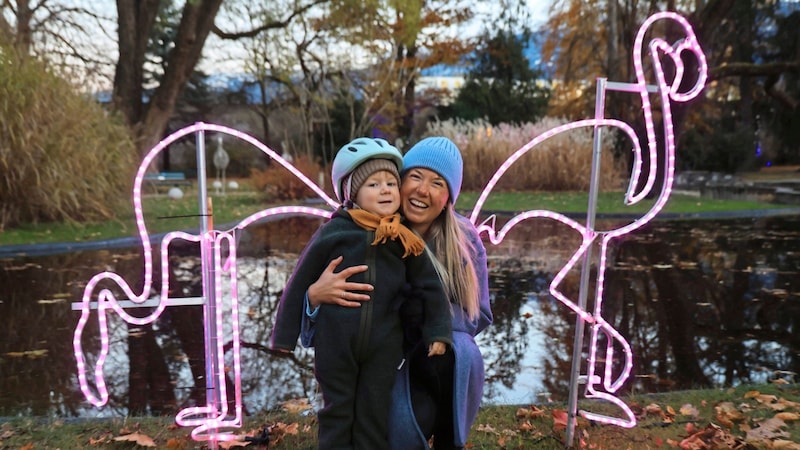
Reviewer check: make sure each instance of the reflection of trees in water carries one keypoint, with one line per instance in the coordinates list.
(700, 306)
(701, 303)
(510, 289)
(28, 379)
(39, 324)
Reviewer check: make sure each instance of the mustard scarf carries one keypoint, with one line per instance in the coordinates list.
(388, 227)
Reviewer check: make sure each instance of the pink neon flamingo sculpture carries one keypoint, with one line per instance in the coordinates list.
(604, 385)
(218, 250)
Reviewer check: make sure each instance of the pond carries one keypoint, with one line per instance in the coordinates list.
(702, 302)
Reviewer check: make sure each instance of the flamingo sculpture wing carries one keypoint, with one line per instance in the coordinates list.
(213, 421)
(601, 383)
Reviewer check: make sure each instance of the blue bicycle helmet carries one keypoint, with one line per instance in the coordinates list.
(353, 154)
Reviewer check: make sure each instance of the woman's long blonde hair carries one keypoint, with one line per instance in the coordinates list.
(453, 251)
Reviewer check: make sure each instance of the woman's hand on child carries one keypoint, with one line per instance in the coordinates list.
(437, 348)
(333, 288)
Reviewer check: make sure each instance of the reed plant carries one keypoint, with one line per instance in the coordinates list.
(560, 163)
(62, 157)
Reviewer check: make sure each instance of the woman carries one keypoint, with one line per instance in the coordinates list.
(439, 397)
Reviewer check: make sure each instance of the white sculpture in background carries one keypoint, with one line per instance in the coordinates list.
(221, 160)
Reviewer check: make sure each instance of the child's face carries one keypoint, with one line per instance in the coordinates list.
(380, 194)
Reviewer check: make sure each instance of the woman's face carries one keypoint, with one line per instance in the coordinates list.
(423, 196)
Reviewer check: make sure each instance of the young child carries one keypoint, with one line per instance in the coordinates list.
(358, 350)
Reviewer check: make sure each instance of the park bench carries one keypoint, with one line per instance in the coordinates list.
(160, 179)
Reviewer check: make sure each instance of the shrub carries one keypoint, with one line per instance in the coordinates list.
(560, 163)
(278, 184)
(62, 158)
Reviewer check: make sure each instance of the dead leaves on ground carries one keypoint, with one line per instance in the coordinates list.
(277, 433)
(756, 421)
(745, 425)
(525, 427)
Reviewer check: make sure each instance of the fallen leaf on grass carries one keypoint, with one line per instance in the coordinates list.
(766, 399)
(140, 439)
(102, 440)
(711, 437)
(282, 428)
(234, 443)
(296, 406)
(785, 445)
(559, 419)
(689, 410)
(176, 444)
(727, 414)
(501, 441)
(653, 408)
(751, 394)
(279, 431)
(787, 416)
(767, 430)
(529, 413)
(789, 403)
(486, 428)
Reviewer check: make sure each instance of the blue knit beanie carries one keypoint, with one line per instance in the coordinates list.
(440, 155)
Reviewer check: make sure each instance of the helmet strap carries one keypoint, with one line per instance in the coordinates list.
(348, 183)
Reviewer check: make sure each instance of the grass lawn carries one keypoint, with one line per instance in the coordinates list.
(747, 417)
(163, 214)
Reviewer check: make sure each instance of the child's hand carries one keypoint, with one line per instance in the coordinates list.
(437, 348)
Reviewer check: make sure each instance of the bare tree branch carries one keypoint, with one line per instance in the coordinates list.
(743, 69)
(266, 26)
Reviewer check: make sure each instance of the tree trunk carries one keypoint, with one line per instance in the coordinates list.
(136, 19)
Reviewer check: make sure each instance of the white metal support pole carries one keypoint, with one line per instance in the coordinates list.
(586, 269)
(209, 289)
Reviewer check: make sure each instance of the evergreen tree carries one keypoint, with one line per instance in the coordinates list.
(502, 87)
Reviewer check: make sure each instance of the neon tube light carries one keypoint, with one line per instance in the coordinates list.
(213, 421)
(602, 384)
